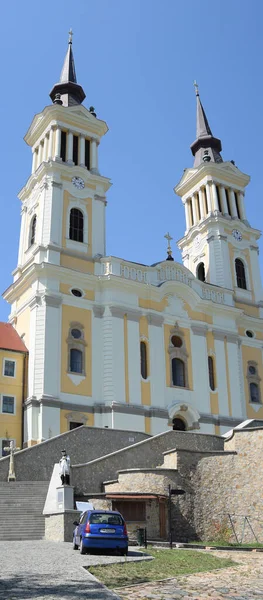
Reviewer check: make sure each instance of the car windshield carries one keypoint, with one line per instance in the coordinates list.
(105, 519)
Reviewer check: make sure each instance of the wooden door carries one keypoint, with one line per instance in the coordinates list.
(162, 519)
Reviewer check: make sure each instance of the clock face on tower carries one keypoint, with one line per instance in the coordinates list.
(237, 235)
(78, 182)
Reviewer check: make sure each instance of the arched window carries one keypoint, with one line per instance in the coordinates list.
(76, 225)
(143, 349)
(32, 233)
(240, 274)
(178, 372)
(76, 361)
(211, 373)
(254, 392)
(200, 271)
(178, 424)
(76, 349)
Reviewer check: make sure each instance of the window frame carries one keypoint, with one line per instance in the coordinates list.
(198, 268)
(76, 344)
(73, 228)
(146, 345)
(9, 360)
(178, 352)
(253, 378)
(244, 277)
(33, 224)
(182, 363)
(80, 353)
(74, 245)
(2, 404)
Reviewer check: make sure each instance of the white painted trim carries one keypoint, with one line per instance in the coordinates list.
(8, 396)
(76, 379)
(9, 360)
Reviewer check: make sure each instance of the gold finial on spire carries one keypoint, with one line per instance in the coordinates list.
(168, 237)
(70, 36)
(196, 88)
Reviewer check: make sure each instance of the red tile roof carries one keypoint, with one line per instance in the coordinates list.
(9, 338)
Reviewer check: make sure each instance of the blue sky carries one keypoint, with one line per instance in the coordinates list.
(136, 60)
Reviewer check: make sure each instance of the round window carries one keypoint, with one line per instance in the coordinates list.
(176, 341)
(249, 333)
(76, 333)
(77, 293)
(252, 370)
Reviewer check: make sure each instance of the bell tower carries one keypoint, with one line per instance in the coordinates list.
(62, 239)
(219, 245)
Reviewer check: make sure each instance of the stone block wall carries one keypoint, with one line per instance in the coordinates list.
(231, 484)
(150, 481)
(82, 444)
(89, 477)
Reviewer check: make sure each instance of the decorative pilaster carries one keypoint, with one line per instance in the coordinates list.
(215, 199)
(94, 162)
(34, 161)
(187, 220)
(194, 210)
(222, 192)
(50, 143)
(232, 201)
(45, 148)
(208, 196)
(57, 144)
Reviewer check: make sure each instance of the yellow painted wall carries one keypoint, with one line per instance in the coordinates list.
(197, 316)
(77, 264)
(145, 385)
(70, 315)
(88, 202)
(147, 424)
(153, 304)
(167, 334)
(254, 354)
(64, 422)
(11, 425)
(251, 311)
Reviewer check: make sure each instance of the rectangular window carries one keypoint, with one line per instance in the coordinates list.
(131, 511)
(75, 149)
(63, 146)
(8, 405)
(9, 368)
(87, 154)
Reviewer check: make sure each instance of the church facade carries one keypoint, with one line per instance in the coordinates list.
(123, 345)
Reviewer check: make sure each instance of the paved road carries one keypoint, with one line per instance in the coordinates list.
(47, 570)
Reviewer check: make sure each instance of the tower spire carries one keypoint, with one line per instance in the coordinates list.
(206, 147)
(70, 91)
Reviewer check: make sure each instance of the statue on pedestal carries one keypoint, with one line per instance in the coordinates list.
(64, 468)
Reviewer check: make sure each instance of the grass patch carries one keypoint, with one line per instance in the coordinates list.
(228, 544)
(166, 564)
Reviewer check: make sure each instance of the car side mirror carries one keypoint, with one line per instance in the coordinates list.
(75, 523)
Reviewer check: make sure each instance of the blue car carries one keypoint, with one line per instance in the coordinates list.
(100, 529)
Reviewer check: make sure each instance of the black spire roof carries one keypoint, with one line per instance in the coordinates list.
(206, 147)
(70, 92)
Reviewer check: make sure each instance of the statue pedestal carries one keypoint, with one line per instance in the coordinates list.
(65, 498)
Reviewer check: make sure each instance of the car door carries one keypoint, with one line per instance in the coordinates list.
(80, 527)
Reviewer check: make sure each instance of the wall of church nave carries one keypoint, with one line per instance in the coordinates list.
(128, 421)
(76, 383)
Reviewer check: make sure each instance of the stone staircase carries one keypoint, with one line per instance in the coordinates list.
(21, 506)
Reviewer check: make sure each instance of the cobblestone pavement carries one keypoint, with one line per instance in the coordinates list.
(47, 570)
(242, 582)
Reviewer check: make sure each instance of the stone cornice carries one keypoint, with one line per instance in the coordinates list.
(98, 311)
(199, 329)
(154, 319)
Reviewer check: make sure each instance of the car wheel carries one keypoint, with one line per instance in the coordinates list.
(74, 545)
(82, 548)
